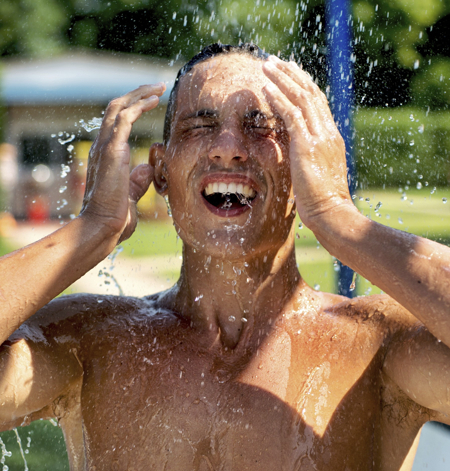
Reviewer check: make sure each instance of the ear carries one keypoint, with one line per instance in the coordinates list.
(156, 160)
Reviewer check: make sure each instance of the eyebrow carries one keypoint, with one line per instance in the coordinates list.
(203, 113)
(209, 113)
(255, 114)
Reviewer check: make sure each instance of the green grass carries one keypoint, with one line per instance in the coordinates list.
(156, 237)
(422, 212)
(5, 247)
(42, 445)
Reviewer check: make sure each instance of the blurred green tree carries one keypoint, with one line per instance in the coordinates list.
(401, 54)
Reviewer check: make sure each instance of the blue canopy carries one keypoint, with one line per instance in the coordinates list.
(79, 77)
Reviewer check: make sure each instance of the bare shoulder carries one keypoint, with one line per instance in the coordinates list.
(81, 318)
(379, 312)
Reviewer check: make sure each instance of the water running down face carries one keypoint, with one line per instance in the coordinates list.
(228, 154)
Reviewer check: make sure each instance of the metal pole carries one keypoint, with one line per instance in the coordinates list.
(340, 74)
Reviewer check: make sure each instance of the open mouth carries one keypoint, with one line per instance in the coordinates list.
(228, 199)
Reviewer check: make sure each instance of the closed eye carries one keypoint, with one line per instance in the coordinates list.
(260, 128)
(199, 126)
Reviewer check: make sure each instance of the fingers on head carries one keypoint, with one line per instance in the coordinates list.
(135, 96)
(296, 74)
(126, 117)
(291, 114)
(304, 91)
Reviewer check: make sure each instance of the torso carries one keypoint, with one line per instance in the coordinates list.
(312, 396)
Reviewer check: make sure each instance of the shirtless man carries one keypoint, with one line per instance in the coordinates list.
(240, 366)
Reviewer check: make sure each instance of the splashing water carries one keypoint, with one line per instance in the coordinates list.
(19, 442)
(5, 454)
(91, 125)
(66, 141)
(169, 209)
(106, 272)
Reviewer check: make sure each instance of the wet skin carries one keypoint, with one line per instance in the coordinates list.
(305, 392)
(240, 365)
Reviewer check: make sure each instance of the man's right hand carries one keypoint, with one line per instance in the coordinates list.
(32, 276)
(111, 191)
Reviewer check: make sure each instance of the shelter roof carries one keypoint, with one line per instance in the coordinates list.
(80, 77)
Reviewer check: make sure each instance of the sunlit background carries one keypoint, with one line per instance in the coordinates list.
(63, 60)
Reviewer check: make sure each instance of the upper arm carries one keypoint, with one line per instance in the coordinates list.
(420, 365)
(34, 371)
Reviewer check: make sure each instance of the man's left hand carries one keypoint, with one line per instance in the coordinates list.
(317, 150)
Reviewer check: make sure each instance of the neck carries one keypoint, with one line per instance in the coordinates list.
(231, 299)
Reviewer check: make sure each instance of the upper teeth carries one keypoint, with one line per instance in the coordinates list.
(224, 188)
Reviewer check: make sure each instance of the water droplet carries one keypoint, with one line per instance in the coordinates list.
(444, 200)
(316, 287)
(232, 318)
(169, 210)
(378, 206)
(353, 283)
(198, 298)
(92, 124)
(419, 186)
(207, 262)
(244, 319)
(300, 226)
(336, 265)
(421, 128)
(66, 141)
(400, 220)
(62, 189)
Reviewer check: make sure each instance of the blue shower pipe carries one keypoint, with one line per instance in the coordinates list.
(340, 80)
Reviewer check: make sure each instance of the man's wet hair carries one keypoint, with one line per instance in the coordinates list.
(206, 53)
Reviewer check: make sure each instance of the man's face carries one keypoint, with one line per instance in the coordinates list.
(227, 162)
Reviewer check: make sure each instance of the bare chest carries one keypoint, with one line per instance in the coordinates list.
(291, 405)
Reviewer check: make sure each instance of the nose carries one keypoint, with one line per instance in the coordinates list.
(227, 148)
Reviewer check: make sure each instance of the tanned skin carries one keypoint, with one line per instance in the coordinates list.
(241, 365)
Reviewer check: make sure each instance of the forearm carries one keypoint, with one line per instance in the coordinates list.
(32, 276)
(413, 270)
